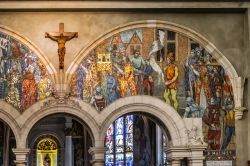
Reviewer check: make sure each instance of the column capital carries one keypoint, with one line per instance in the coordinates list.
(197, 157)
(239, 112)
(98, 155)
(21, 155)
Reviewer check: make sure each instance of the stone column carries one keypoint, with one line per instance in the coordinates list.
(98, 155)
(197, 158)
(175, 162)
(159, 148)
(68, 143)
(21, 156)
(6, 144)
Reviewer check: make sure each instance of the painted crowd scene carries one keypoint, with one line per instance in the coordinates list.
(23, 77)
(167, 65)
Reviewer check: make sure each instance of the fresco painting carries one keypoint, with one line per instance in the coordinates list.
(23, 77)
(167, 65)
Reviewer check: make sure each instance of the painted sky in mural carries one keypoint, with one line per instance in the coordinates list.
(23, 78)
(164, 64)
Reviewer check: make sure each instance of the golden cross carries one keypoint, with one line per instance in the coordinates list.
(61, 38)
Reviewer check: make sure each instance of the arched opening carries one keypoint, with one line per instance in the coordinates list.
(60, 139)
(8, 142)
(137, 139)
(47, 148)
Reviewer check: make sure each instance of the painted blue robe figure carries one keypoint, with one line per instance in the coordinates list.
(111, 89)
(229, 122)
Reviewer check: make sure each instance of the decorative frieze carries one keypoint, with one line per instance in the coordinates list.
(61, 101)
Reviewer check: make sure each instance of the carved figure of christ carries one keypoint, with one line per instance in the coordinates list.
(61, 38)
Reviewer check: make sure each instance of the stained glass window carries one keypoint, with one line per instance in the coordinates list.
(119, 142)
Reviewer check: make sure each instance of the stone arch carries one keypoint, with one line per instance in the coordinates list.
(58, 139)
(16, 35)
(230, 70)
(9, 115)
(42, 109)
(159, 110)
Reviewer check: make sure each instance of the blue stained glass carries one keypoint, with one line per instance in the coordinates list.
(119, 163)
(119, 157)
(129, 140)
(129, 157)
(109, 158)
(129, 163)
(119, 142)
(129, 124)
(109, 144)
(119, 126)
(110, 130)
(119, 149)
(109, 164)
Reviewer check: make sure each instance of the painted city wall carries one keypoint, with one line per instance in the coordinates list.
(167, 65)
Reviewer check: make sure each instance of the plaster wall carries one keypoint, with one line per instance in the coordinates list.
(225, 31)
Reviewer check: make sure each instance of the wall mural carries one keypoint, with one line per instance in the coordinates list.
(23, 77)
(166, 65)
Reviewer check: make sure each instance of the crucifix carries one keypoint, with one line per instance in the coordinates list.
(61, 38)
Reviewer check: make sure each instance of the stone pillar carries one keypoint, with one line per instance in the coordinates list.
(68, 143)
(159, 155)
(6, 144)
(174, 162)
(21, 156)
(98, 155)
(196, 158)
(176, 154)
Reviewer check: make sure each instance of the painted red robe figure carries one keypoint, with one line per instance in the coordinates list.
(29, 93)
(212, 119)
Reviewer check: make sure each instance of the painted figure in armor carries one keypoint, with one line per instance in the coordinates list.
(98, 100)
(191, 73)
(212, 119)
(138, 66)
(111, 88)
(171, 75)
(192, 110)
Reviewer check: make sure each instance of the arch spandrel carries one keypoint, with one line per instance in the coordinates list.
(25, 73)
